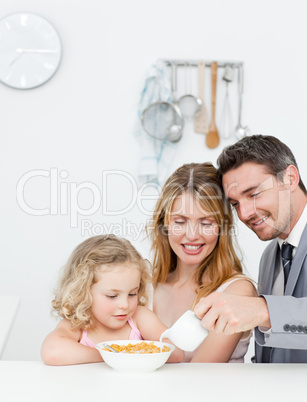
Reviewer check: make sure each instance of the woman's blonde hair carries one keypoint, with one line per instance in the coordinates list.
(201, 181)
(73, 298)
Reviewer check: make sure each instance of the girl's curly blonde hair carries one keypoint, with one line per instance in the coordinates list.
(73, 298)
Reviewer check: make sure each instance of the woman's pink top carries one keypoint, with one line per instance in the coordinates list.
(134, 335)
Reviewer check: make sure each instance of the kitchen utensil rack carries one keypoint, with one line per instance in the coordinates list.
(202, 125)
(194, 63)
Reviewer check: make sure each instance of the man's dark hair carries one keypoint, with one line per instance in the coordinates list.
(264, 150)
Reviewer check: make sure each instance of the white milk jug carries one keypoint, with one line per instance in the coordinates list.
(187, 332)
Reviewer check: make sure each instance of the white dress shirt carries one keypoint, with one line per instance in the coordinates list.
(296, 233)
(293, 239)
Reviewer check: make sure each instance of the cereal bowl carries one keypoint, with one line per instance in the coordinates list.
(135, 356)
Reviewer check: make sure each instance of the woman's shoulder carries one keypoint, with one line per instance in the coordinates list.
(161, 290)
(239, 285)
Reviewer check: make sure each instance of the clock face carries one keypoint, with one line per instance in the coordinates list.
(30, 50)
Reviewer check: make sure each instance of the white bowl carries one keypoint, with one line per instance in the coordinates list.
(134, 362)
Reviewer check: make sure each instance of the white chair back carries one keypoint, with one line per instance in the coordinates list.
(8, 309)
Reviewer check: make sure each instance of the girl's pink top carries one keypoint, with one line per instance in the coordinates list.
(134, 335)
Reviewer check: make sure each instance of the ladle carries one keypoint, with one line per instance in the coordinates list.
(240, 131)
(175, 130)
(189, 104)
(226, 127)
(212, 138)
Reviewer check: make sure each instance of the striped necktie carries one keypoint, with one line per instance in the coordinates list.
(286, 256)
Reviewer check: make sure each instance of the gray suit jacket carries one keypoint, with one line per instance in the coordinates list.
(288, 313)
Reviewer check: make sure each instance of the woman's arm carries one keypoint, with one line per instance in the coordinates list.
(152, 328)
(61, 347)
(218, 347)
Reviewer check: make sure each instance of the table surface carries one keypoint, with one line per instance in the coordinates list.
(33, 381)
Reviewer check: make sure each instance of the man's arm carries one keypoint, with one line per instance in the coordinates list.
(229, 313)
(286, 316)
(288, 323)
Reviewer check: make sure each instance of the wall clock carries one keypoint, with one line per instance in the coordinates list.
(30, 50)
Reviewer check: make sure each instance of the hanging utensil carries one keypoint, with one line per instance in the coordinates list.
(201, 121)
(226, 126)
(240, 131)
(189, 104)
(212, 138)
(164, 120)
(175, 130)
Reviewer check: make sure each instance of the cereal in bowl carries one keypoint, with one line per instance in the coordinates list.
(140, 347)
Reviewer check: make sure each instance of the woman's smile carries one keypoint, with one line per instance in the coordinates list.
(192, 249)
(192, 232)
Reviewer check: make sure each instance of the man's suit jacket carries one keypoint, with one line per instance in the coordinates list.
(288, 313)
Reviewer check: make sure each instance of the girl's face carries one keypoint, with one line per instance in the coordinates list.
(115, 295)
(192, 233)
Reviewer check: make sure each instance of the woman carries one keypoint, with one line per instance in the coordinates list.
(194, 256)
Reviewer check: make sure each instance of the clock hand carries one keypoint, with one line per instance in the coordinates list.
(16, 58)
(22, 51)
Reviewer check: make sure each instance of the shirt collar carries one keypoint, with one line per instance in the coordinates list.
(296, 233)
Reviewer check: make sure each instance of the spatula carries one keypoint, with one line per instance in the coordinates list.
(201, 121)
(212, 138)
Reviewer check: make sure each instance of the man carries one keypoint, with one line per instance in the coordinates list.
(261, 180)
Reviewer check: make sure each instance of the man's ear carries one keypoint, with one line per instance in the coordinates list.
(291, 177)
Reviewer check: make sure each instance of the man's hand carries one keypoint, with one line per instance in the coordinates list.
(228, 313)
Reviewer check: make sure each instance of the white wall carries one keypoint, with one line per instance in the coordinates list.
(82, 121)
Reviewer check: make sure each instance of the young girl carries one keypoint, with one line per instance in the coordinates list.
(194, 256)
(101, 297)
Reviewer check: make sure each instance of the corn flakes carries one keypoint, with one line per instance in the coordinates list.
(141, 347)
